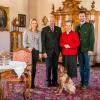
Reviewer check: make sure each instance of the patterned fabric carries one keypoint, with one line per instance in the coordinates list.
(41, 92)
(22, 55)
(32, 40)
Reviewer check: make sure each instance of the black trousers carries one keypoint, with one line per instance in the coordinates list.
(70, 62)
(51, 67)
(35, 57)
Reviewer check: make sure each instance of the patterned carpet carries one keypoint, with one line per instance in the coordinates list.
(41, 92)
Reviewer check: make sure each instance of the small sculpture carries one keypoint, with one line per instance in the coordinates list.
(15, 24)
(52, 8)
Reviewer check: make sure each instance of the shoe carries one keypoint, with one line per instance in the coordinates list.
(84, 87)
(55, 84)
(48, 84)
(79, 86)
(33, 86)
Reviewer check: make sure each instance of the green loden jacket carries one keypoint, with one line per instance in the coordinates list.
(86, 35)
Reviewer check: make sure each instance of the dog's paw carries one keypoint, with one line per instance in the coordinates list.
(71, 93)
(56, 91)
(58, 94)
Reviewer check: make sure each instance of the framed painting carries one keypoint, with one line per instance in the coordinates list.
(4, 19)
(22, 20)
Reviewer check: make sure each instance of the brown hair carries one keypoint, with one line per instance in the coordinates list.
(82, 12)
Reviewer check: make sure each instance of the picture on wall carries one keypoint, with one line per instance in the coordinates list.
(22, 20)
(4, 19)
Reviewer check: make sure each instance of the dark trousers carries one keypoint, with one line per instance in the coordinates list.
(70, 62)
(35, 56)
(51, 67)
(84, 62)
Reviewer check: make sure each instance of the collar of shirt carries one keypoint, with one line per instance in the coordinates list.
(52, 28)
(81, 23)
(68, 31)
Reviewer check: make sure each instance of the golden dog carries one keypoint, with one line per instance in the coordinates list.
(65, 82)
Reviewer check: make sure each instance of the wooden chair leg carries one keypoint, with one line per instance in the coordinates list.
(24, 91)
(29, 85)
(2, 91)
(8, 91)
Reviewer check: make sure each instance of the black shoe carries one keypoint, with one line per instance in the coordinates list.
(84, 87)
(33, 86)
(55, 84)
(49, 84)
(79, 86)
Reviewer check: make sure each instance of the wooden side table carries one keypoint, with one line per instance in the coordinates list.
(6, 77)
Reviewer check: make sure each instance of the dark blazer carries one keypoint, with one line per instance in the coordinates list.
(86, 35)
(50, 40)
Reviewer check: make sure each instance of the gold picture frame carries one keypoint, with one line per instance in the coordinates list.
(4, 18)
(45, 20)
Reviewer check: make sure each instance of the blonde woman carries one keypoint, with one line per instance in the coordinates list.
(32, 41)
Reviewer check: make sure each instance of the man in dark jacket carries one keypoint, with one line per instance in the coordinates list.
(50, 45)
(86, 34)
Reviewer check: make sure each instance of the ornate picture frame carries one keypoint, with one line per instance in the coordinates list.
(22, 20)
(4, 19)
(45, 20)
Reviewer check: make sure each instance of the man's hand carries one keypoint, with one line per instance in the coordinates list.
(90, 53)
(66, 46)
(45, 55)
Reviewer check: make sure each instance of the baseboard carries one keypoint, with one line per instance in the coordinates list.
(97, 64)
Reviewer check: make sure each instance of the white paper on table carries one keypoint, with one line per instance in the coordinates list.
(18, 67)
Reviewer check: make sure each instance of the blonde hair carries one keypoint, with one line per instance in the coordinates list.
(30, 24)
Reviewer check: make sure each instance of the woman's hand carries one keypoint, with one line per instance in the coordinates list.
(45, 55)
(40, 56)
(90, 52)
(67, 46)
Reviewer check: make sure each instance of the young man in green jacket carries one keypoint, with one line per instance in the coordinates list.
(86, 35)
